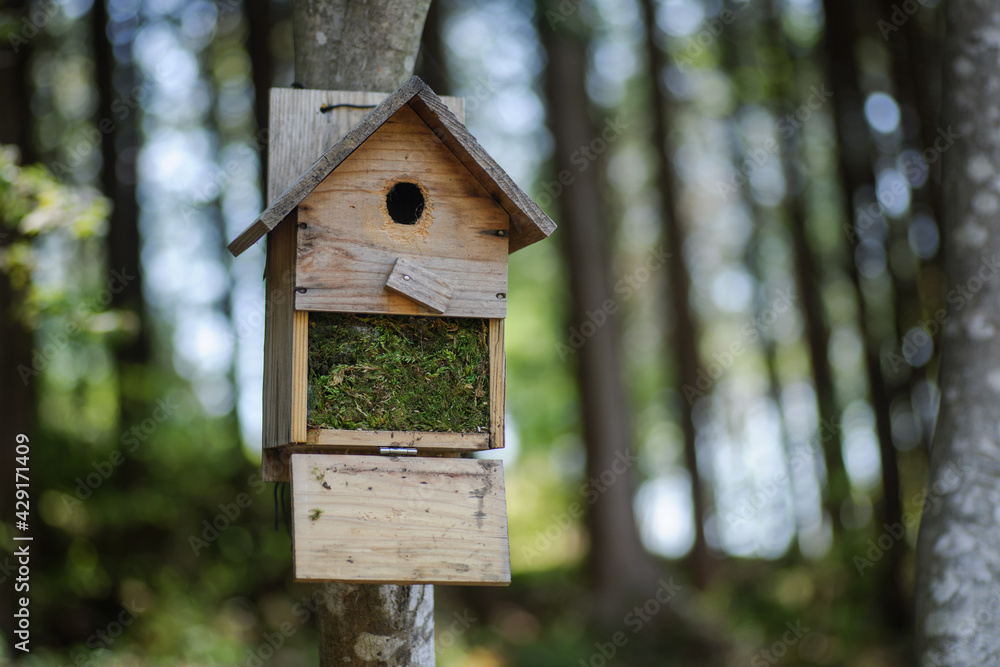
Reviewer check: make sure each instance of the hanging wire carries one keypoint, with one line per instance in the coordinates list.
(285, 513)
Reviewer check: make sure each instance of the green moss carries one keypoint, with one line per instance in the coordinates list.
(398, 373)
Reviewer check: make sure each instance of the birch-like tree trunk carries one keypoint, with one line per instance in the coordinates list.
(367, 46)
(958, 552)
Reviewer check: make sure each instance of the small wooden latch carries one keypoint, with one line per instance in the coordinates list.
(417, 283)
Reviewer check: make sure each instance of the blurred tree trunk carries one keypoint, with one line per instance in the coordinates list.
(856, 172)
(619, 564)
(958, 573)
(116, 82)
(258, 45)
(350, 45)
(432, 65)
(17, 397)
(855, 165)
(684, 347)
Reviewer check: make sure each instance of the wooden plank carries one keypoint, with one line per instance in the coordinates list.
(529, 223)
(498, 383)
(349, 242)
(278, 323)
(379, 519)
(300, 375)
(415, 282)
(425, 441)
(301, 131)
(310, 133)
(276, 461)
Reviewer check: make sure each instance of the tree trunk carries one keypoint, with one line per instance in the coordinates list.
(619, 563)
(855, 166)
(356, 44)
(365, 46)
(376, 625)
(958, 572)
(119, 152)
(685, 343)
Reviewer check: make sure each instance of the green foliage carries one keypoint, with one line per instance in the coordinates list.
(386, 372)
(33, 205)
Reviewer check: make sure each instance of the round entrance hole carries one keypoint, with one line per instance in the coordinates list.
(405, 203)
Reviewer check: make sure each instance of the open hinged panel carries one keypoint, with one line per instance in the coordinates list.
(406, 520)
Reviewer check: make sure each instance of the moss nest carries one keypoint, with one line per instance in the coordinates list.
(398, 373)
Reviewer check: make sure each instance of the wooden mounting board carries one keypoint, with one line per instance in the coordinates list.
(409, 520)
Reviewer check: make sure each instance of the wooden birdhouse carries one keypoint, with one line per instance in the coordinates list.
(386, 293)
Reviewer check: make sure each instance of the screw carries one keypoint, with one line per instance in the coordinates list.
(302, 225)
(501, 233)
(301, 290)
(406, 277)
(501, 295)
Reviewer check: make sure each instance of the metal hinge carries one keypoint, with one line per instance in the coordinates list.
(397, 451)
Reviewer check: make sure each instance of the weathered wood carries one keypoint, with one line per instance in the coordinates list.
(498, 383)
(348, 242)
(376, 519)
(530, 223)
(276, 463)
(415, 282)
(278, 334)
(424, 441)
(304, 124)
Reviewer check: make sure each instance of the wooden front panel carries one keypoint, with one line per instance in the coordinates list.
(349, 243)
(376, 519)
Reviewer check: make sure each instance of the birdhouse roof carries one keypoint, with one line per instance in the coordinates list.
(528, 222)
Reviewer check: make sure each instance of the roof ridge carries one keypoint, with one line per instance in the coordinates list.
(529, 222)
